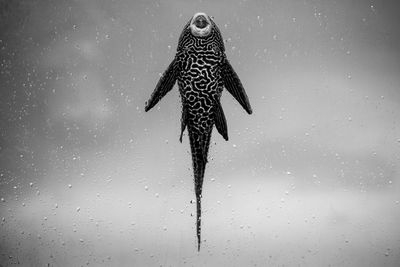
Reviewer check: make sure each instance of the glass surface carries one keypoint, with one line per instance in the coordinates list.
(311, 178)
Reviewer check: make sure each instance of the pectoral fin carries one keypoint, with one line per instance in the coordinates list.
(164, 85)
(234, 86)
(220, 120)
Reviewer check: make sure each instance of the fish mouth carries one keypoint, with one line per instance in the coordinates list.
(200, 24)
(200, 21)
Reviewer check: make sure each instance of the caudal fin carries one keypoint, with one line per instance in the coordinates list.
(199, 144)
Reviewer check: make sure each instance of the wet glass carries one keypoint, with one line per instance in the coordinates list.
(309, 179)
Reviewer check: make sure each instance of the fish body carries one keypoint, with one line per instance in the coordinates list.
(202, 71)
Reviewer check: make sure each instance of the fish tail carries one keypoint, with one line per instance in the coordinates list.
(199, 144)
(198, 221)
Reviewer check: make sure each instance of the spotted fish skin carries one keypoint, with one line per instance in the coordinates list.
(202, 71)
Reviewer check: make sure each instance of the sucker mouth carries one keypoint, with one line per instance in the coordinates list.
(201, 22)
(200, 25)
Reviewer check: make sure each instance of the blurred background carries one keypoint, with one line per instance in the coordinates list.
(311, 178)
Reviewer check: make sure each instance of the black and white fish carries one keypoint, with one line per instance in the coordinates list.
(202, 70)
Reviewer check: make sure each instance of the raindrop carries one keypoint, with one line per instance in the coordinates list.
(146, 188)
(2, 199)
(78, 209)
(165, 228)
(70, 185)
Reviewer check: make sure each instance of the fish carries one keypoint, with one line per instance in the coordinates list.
(202, 71)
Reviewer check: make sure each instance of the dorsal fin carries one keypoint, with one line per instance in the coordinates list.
(220, 120)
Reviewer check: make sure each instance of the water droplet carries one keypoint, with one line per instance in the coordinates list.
(2, 199)
(234, 145)
(146, 188)
(372, 8)
(30, 184)
(78, 209)
(157, 195)
(212, 179)
(70, 185)
(165, 228)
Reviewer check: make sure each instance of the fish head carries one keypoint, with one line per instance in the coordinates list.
(201, 26)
